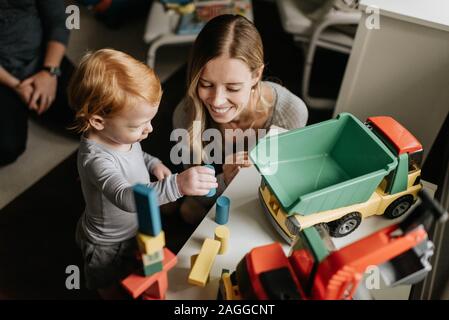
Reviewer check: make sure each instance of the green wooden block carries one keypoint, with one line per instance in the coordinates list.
(152, 268)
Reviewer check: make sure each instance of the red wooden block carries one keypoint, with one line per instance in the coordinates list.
(157, 290)
(137, 284)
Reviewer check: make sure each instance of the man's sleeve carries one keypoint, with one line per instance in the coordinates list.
(52, 13)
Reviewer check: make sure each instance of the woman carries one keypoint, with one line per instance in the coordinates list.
(225, 91)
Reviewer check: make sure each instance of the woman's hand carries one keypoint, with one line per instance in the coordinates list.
(229, 172)
(196, 181)
(44, 92)
(160, 171)
(233, 163)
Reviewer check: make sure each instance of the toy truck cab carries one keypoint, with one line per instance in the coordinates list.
(338, 172)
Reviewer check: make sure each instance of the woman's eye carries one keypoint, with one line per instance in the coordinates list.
(233, 90)
(203, 85)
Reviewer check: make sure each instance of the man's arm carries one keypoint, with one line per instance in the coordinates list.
(54, 54)
(43, 82)
(52, 14)
(56, 35)
(8, 79)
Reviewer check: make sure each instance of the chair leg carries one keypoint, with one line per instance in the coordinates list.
(311, 102)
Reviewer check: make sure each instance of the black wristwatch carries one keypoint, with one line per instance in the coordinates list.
(54, 71)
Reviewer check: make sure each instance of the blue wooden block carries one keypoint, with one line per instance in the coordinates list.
(211, 191)
(148, 214)
(222, 210)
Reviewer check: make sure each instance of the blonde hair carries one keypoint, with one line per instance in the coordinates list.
(235, 37)
(106, 81)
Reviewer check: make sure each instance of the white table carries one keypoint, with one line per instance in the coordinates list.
(402, 68)
(249, 228)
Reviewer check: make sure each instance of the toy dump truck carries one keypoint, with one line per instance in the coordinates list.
(337, 172)
(315, 270)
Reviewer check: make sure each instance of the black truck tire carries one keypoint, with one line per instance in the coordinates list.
(345, 225)
(398, 207)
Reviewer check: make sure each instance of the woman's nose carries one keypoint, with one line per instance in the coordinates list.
(218, 98)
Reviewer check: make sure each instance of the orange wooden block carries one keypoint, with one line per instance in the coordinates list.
(137, 284)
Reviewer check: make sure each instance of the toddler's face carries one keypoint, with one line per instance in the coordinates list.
(224, 85)
(132, 124)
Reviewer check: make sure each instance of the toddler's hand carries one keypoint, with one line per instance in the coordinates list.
(196, 181)
(160, 171)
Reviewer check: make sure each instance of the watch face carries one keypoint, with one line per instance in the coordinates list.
(56, 71)
(53, 71)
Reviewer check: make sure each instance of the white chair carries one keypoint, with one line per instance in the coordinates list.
(160, 30)
(324, 32)
(161, 27)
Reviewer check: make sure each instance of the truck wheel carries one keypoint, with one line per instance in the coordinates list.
(398, 207)
(345, 225)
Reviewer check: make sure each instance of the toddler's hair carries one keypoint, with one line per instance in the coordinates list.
(106, 81)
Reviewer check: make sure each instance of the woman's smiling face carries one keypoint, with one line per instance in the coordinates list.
(224, 87)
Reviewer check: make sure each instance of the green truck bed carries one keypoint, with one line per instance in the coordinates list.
(328, 165)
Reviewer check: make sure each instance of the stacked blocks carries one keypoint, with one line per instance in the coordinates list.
(150, 238)
(156, 260)
(150, 288)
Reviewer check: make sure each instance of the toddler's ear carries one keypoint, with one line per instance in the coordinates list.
(97, 122)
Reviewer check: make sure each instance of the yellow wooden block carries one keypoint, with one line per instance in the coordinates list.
(148, 244)
(203, 264)
(192, 260)
(222, 235)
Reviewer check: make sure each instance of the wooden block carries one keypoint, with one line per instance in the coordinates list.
(135, 284)
(222, 235)
(203, 264)
(153, 268)
(148, 214)
(148, 259)
(192, 260)
(157, 290)
(149, 244)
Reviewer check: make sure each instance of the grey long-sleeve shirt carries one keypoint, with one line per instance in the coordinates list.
(107, 177)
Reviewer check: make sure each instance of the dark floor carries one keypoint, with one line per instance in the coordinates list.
(37, 228)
